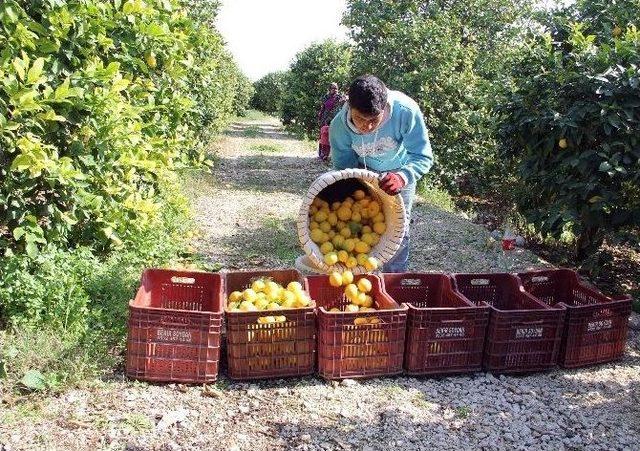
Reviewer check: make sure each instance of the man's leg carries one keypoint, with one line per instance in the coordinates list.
(400, 261)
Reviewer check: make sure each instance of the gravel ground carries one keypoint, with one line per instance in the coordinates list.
(246, 210)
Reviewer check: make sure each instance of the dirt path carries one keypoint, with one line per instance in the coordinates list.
(246, 209)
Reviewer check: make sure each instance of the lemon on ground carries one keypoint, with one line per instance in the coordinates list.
(379, 227)
(247, 306)
(343, 256)
(327, 247)
(351, 262)
(347, 277)
(316, 235)
(331, 258)
(249, 295)
(294, 286)
(359, 194)
(351, 308)
(364, 285)
(235, 296)
(335, 279)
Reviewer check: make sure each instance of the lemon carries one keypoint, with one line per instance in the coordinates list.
(351, 291)
(362, 247)
(351, 262)
(368, 301)
(364, 285)
(316, 235)
(337, 241)
(247, 306)
(348, 200)
(313, 225)
(375, 238)
(349, 245)
(617, 31)
(367, 238)
(345, 232)
(371, 264)
(343, 256)
(351, 308)
(366, 229)
(378, 217)
(332, 219)
(331, 258)
(379, 227)
(359, 299)
(373, 208)
(359, 194)
(347, 277)
(249, 295)
(235, 296)
(356, 208)
(364, 202)
(324, 204)
(336, 205)
(341, 225)
(356, 217)
(344, 213)
(313, 210)
(289, 302)
(266, 319)
(150, 59)
(261, 304)
(274, 306)
(302, 299)
(327, 247)
(258, 286)
(294, 286)
(280, 319)
(325, 237)
(325, 226)
(335, 279)
(320, 217)
(317, 202)
(360, 321)
(563, 144)
(233, 306)
(335, 309)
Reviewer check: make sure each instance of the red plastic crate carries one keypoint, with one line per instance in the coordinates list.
(523, 333)
(174, 327)
(349, 350)
(596, 325)
(445, 331)
(258, 351)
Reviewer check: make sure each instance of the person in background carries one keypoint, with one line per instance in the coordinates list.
(331, 104)
(383, 131)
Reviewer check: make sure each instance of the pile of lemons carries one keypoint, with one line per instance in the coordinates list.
(347, 231)
(265, 294)
(356, 293)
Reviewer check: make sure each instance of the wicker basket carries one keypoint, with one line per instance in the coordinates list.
(335, 185)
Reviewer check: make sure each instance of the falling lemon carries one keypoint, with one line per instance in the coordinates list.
(335, 279)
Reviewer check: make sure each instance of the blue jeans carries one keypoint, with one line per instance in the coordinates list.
(400, 261)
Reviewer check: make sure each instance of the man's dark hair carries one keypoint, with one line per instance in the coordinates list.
(368, 95)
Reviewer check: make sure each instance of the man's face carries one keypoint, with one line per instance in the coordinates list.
(365, 123)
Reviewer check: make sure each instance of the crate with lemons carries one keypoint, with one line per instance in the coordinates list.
(270, 326)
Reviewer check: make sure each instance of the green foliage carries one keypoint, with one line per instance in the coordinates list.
(243, 93)
(307, 81)
(99, 101)
(448, 56)
(571, 124)
(268, 94)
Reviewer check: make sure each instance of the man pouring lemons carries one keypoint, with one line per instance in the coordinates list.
(384, 131)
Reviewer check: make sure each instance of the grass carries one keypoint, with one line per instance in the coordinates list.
(437, 197)
(253, 115)
(267, 148)
(462, 412)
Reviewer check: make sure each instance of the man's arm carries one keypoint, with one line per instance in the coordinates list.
(416, 141)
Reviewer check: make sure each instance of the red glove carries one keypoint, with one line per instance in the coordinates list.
(391, 183)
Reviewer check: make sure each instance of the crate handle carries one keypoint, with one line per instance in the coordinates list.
(452, 321)
(538, 279)
(410, 282)
(527, 323)
(479, 281)
(184, 280)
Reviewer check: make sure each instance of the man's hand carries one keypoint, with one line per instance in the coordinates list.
(391, 183)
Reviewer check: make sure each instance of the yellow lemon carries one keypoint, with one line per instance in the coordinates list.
(249, 295)
(294, 286)
(274, 306)
(261, 304)
(359, 194)
(359, 299)
(325, 226)
(258, 285)
(325, 238)
(233, 306)
(332, 234)
(332, 219)
(289, 302)
(371, 264)
(351, 308)
(563, 144)
(343, 256)
(266, 320)
(378, 218)
(364, 285)
(302, 299)
(235, 296)
(347, 277)
(356, 217)
(335, 309)
(337, 241)
(313, 225)
(345, 232)
(375, 238)
(280, 319)
(351, 262)
(360, 321)
(327, 247)
(335, 279)
(247, 306)
(349, 245)
(324, 204)
(344, 213)
(368, 301)
(362, 259)
(365, 202)
(320, 217)
(351, 291)
(373, 208)
(316, 235)
(336, 205)
(379, 227)
(331, 258)
(367, 238)
(362, 247)
(366, 229)
(317, 202)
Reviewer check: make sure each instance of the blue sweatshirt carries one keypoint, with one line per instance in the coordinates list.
(399, 144)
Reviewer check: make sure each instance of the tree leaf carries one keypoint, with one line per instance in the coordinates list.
(36, 70)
